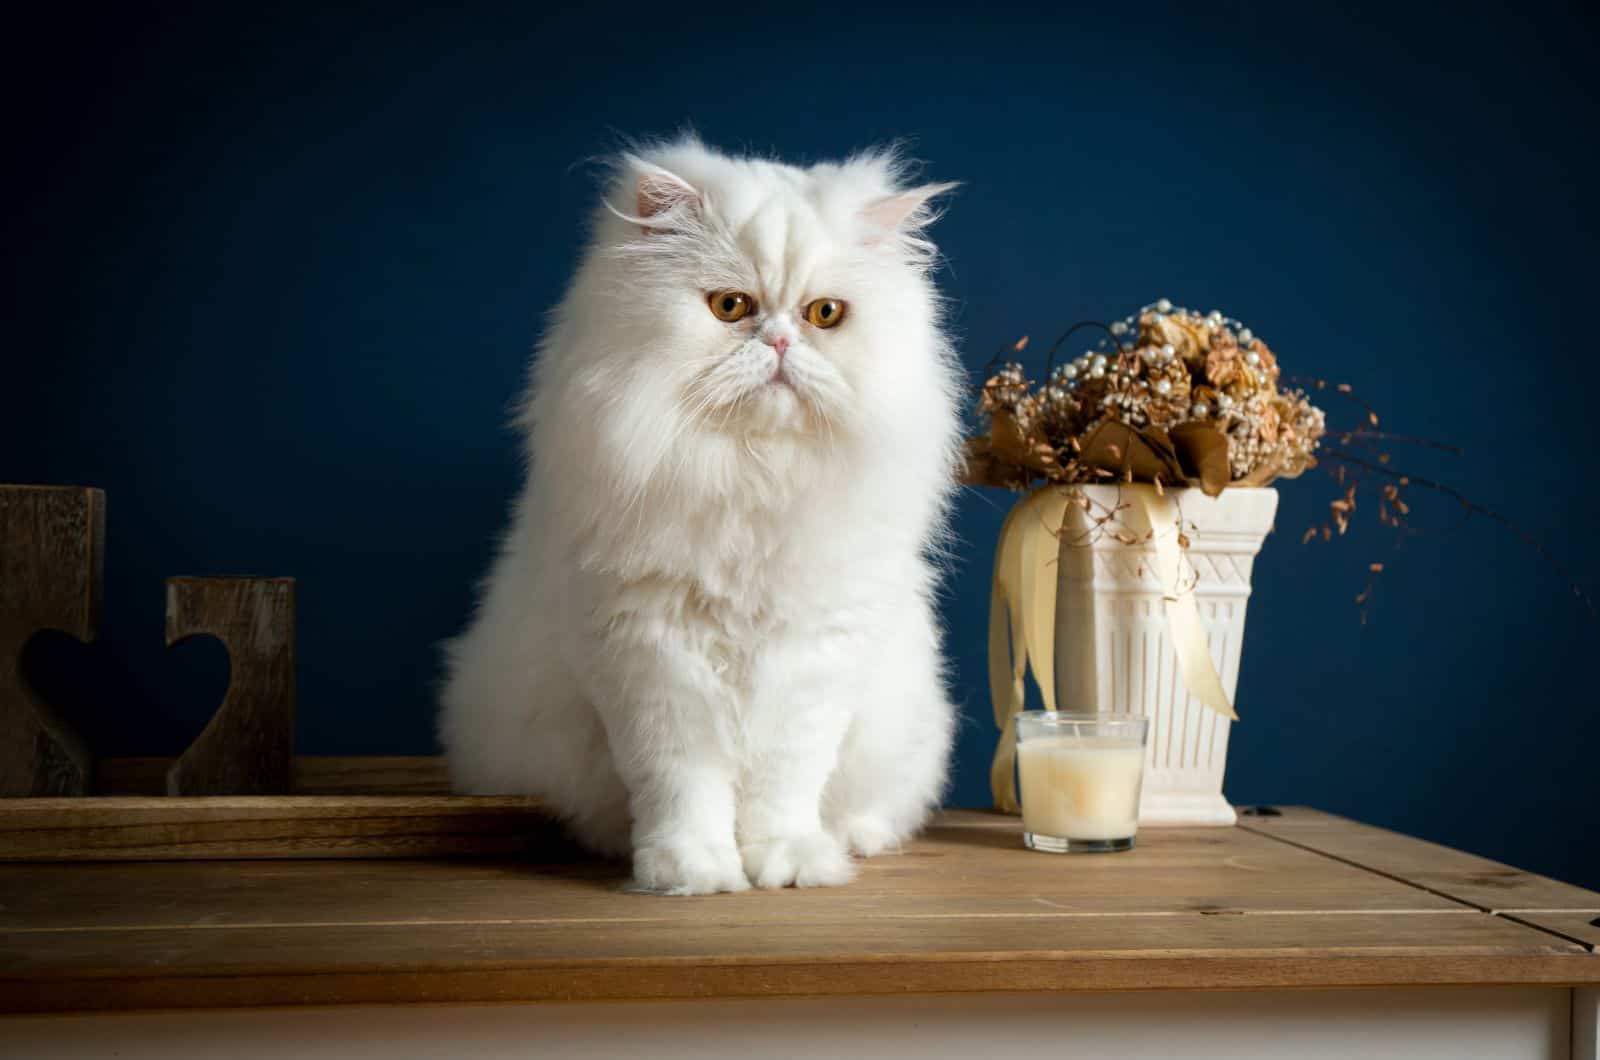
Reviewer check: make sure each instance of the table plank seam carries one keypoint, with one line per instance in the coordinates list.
(1587, 947)
(1368, 868)
(293, 925)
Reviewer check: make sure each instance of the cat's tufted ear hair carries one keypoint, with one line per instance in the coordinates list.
(905, 212)
(662, 199)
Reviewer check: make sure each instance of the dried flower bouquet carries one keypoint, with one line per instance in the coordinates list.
(1192, 399)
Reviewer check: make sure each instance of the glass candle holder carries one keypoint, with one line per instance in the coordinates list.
(1080, 778)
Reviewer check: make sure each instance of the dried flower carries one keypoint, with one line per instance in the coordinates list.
(1180, 370)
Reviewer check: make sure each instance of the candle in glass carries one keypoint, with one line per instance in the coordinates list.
(1080, 778)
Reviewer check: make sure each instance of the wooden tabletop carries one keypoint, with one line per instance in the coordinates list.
(1302, 899)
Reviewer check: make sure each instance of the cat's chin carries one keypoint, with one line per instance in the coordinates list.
(776, 407)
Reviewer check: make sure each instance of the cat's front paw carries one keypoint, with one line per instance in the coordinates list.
(866, 835)
(688, 868)
(812, 860)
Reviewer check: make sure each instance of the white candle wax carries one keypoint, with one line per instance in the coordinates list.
(1080, 787)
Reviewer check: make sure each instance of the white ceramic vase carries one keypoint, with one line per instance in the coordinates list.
(1113, 652)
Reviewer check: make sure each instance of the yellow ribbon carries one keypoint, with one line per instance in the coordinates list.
(1183, 615)
(1022, 615)
(1022, 622)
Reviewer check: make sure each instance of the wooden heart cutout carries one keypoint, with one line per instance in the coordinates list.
(52, 575)
(248, 746)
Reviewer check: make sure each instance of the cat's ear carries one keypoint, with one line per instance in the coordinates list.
(662, 196)
(905, 212)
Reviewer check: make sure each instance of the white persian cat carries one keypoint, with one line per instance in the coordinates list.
(709, 636)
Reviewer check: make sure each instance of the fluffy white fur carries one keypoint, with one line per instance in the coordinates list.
(709, 636)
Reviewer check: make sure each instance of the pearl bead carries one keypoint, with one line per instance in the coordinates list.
(1163, 386)
(1070, 371)
(1224, 401)
(1163, 305)
(1252, 358)
(1214, 318)
(1246, 336)
(1098, 360)
(1168, 351)
(1119, 328)
(1200, 409)
(1097, 372)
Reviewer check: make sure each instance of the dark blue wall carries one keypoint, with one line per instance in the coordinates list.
(274, 275)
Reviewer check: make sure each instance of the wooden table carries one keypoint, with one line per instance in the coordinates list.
(1299, 932)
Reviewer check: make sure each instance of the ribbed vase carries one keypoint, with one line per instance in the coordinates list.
(1113, 653)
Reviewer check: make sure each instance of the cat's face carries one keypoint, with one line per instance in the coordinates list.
(767, 299)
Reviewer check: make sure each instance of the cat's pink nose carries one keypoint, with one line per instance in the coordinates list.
(778, 343)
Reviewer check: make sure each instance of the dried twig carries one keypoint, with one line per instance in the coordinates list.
(1474, 508)
(1389, 436)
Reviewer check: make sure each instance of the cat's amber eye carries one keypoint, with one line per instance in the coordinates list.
(825, 312)
(730, 305)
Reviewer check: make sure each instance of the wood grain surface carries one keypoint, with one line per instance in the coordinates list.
(52, 568)
(313, 775)
(269, 827)
(248, 746)
(1578, 925)
(1485, 884)
(965, 908)
(341, 807)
